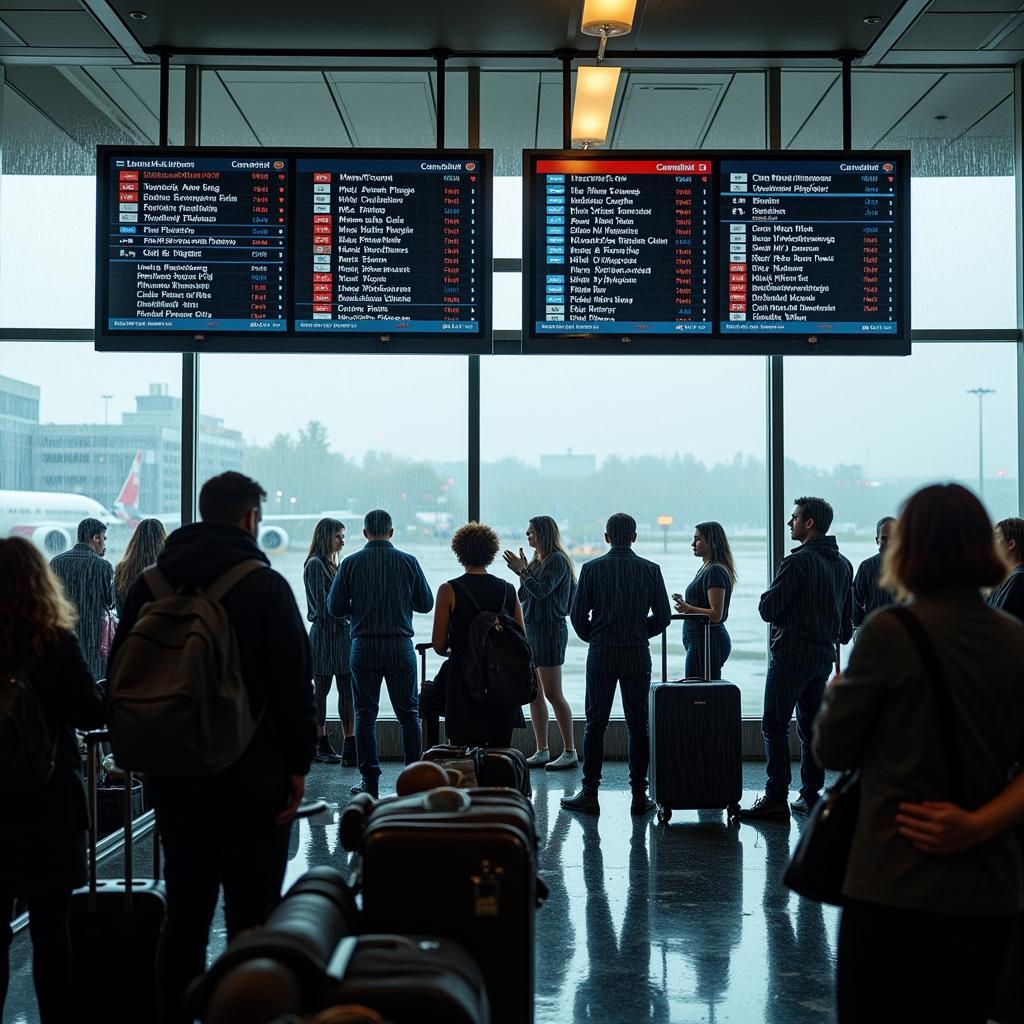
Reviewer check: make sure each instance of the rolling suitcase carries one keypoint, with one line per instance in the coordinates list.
(115, 926)
(696, 742)
(306, 959)
(493, 766)
(470, 881)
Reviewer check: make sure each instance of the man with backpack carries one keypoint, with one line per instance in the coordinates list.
(620, 603)
(379, 588)
(225, 814)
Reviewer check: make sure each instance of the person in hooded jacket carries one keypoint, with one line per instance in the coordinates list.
(231, 829)
(809, 607)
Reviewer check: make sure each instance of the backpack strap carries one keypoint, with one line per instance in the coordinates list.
(509, 589)
(220, 586)
(465, 590)
(157, 582)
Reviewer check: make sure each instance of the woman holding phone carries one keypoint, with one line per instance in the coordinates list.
(708, 594)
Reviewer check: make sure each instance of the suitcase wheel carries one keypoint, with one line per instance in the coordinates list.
(732, 811)
(664, 815)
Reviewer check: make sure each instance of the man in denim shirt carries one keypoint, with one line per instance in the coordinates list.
(809, 606)
(620, 603)
(379, 588)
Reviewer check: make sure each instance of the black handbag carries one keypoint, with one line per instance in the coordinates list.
(817, 868)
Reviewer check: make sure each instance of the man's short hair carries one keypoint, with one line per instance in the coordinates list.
(621, 529)
(881, 522)
(817, 509)
(229, 497)
(89, 528)
(377, 523)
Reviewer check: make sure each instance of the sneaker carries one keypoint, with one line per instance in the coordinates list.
(539, 759)
(802, 805)
(641, 804)
(325, 753)
(765, 809)
(565, 760)
(365, 787)
(348, 753)
(585, 800)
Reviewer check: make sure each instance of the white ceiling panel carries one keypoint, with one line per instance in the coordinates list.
(222, 122)
(967, 31)
(666, 110)
(382, 109)
(739, 121)
(803, 93)
(882, 99)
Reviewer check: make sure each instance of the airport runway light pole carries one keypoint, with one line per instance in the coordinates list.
(981, 393)
(664, 522)
(106, 409)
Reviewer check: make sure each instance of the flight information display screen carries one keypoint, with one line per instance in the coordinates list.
(716, 252)
(810, 246)
(623, 245)
(293, 250)
(389, 245)
(196, 243)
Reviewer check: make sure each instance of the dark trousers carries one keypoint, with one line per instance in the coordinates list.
(790, 686)
(719, 651)
(393, 661)
(51, 953)
(629, 667)
(909, 966)
(209, 843)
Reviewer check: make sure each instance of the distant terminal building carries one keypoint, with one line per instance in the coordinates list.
(19, 420)
(568, 466)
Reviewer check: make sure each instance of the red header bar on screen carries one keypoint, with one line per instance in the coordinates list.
(667, 166)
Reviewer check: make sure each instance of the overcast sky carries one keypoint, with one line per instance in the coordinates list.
(896, 417)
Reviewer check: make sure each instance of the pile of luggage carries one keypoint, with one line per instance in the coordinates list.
(436, 921)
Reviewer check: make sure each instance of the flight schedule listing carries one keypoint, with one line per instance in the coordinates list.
(197, 243)
(809, 247)
(389, 245)
(623, 246)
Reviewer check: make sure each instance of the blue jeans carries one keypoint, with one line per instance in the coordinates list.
(790, 686)
(631, 668)
(393, 660)
(721, 648)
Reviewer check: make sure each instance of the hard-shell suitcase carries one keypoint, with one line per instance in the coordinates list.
(494, 766)
(305, 959)
(696, 740)
(473, 883)
(115, 926)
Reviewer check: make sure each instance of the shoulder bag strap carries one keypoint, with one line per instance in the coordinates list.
(940, 691)
(220, 586)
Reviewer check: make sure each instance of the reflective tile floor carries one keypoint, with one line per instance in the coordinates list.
(688, 923)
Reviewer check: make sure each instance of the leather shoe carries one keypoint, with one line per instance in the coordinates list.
(585, 801)
(765, 809)
(802, 805)
(364, 787)
(642, 804)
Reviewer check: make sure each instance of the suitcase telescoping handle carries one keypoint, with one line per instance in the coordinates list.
(92, 741)
(696, 616)
(421, 650)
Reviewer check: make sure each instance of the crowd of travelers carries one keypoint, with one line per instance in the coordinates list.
(934, 887)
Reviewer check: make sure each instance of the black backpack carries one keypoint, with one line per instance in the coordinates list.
(497, 664)
(27, 750)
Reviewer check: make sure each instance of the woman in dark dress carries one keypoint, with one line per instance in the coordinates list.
(146, 543)
(708, 594)
(1009, 595)
(329, 640)
(469, 723)
(43, 853)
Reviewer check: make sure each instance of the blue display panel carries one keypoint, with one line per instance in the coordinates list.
(390, 245)
(196, 243)
(810, 246)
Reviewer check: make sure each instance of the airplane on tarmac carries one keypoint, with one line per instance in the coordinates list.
(50, 520)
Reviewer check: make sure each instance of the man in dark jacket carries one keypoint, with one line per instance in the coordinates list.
(88, 581)
(868, 596)
(620, 603)
(232, 828)
(809, 606)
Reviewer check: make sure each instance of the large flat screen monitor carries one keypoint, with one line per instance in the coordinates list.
(293, 250)
(715, 252)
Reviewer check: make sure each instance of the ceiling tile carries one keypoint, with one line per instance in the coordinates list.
(955, 6)
(222, 123)
(290, 113)
(380, 107)
(811, 110)
(9, 38)
(1014, 41)
(951, 31)
(75, 29)
(665, 110)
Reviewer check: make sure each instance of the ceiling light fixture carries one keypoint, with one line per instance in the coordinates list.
(592, 107)
(607, 19)
(138, 15)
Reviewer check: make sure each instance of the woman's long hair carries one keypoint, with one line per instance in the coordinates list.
(145, 545)
(549, 540)
(320, 545)
(33, 607)
(718, 548)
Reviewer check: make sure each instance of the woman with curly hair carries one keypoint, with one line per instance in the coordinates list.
(468, 722)
(43, 854)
